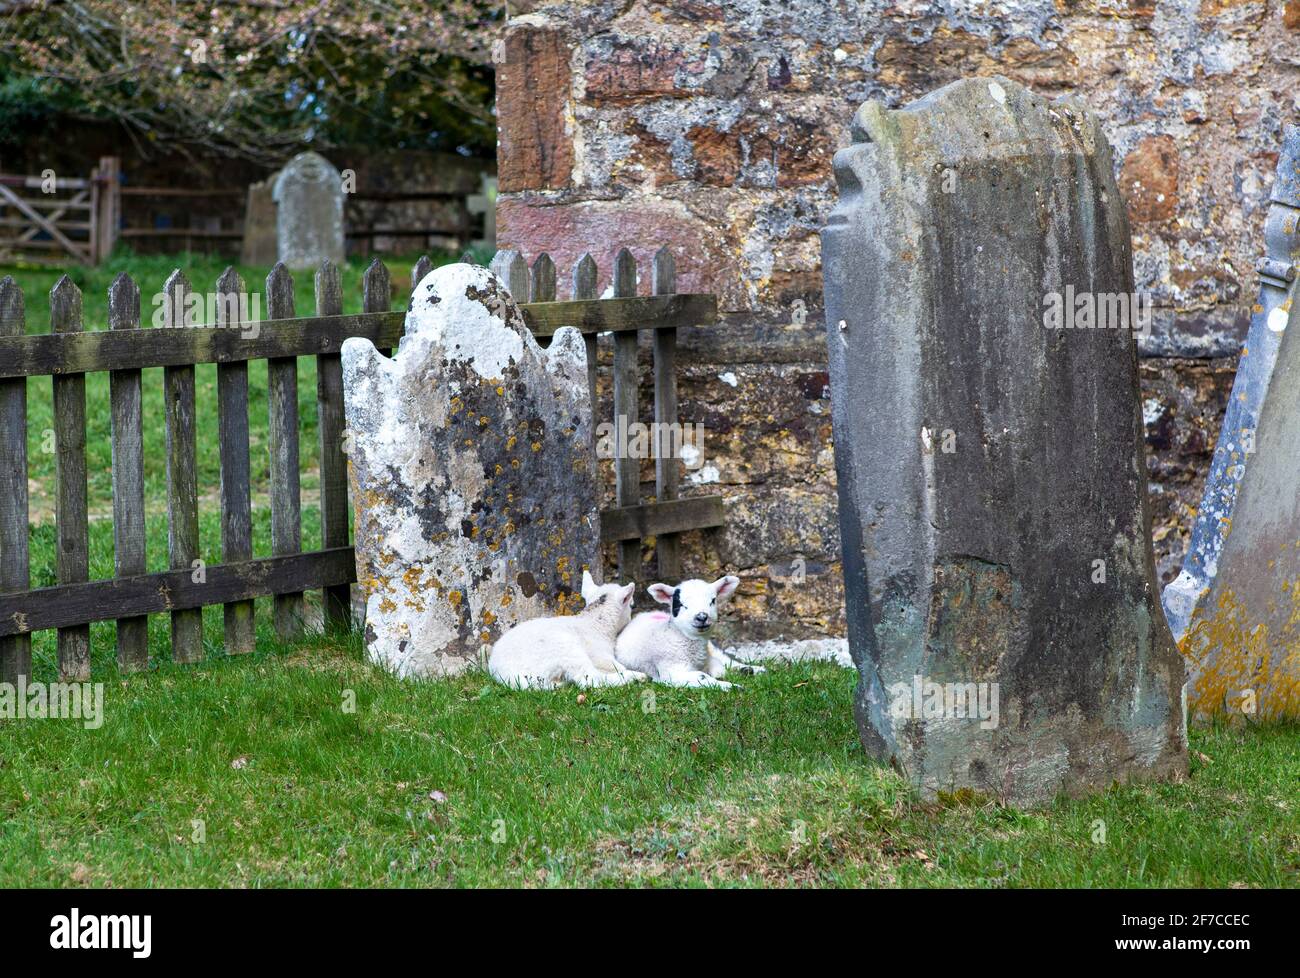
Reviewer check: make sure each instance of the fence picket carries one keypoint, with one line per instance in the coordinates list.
(282, 405)
(182, 476)
(627, 470)
(584, 287)
(668, 554)
(543, 279)
(232, 425)
(337, 600)
(421, 268)
(128, 475)
(376, 292)
(510, 267)
(15, 570)
(72, 561)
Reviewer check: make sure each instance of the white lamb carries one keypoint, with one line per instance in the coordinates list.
(675, 648)
(542, 653)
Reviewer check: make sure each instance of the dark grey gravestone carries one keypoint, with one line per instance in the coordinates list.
(309, 212)
(999, 576)
(1234, 453)
(473, 475)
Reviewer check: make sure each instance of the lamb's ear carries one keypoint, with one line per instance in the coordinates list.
(725, 587)
(661, 593)
(589, 587)
(625, 595)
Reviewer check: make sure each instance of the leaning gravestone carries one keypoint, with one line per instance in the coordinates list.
(1233, 455)
(259, 245)
(309, 212)
(473, 479)
(999, 576)
(1243, 640)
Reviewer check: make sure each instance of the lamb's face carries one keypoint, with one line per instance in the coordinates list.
(695, 603)
(609, 595)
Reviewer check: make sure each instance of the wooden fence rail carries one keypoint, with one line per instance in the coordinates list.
(68, 352)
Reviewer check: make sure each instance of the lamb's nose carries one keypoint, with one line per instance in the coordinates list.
(701, 620)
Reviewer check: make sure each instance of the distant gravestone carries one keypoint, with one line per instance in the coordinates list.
(309, 212)
(999, 577)
(473, 477)
(1243, 639)
(259, 245)
(1236, 448)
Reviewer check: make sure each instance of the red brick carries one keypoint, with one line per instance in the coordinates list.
(636, 69)
(535, 149)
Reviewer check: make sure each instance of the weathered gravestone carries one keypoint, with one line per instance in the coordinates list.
(472, 472)
(259, 245)
(998, 567)
(1243, 640)
(309, 212)
(1235, 451)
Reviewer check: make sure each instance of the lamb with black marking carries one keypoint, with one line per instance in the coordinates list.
(675, 648)
(542, 653)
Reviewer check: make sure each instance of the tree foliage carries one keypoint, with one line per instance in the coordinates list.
(258, 78)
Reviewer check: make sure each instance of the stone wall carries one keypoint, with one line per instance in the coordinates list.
(710, 127)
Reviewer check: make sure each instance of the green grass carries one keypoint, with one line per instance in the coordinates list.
(464, 783)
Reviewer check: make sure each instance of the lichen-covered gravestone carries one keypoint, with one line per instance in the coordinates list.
(473, 476)
(999, 576)
(308, 195)
(1235, 451)
(1243, 641)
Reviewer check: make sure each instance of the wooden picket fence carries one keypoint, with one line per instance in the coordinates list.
(68, 352)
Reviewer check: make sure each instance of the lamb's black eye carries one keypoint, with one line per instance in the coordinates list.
(677, 601)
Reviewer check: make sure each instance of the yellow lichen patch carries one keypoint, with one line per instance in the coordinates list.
(387, 605)
(537, 446)
(456, 405)
(1238, 666)
(455, 597)
(501, 391)
(511, 442)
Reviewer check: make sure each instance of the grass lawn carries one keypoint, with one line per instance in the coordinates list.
(252, 772)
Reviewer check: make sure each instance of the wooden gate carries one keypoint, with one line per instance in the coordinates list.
(49, 219)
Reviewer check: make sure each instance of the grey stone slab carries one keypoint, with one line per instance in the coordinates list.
(308, 195)
(1000, 585)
